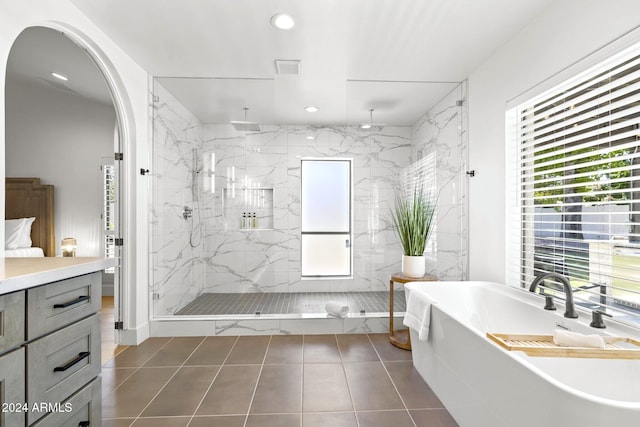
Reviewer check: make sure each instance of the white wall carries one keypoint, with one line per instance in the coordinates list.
(61, 138)
(566, 32)
(131, 84)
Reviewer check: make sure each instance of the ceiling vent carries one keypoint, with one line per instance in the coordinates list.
(288, 66)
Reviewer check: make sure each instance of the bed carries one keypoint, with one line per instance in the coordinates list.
(32, 204)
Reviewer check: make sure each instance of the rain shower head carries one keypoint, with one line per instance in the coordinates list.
(244, 125)
(373, 127)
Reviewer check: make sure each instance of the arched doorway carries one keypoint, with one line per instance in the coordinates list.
(66, 123)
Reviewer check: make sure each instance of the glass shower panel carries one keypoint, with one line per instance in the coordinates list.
(215, 145)
(208, 174)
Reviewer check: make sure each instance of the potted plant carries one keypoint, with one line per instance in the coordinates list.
(413, 219)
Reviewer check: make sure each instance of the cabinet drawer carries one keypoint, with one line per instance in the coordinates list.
(83, 407)
(12, 388)
(62, 362)
(11, 320)
(58, 304)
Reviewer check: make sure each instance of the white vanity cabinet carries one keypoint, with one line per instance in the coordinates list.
(50, 358)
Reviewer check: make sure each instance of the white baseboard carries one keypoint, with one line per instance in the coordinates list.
(134, 336)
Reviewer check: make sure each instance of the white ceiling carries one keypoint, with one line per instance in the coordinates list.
(282, 100)
(398, 57)
(38, 52)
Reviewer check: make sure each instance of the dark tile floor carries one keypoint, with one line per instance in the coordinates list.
(271, 381)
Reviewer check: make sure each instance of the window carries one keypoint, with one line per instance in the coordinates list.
(108, 212)
(326, 218)
(578, 191)
(421, 176)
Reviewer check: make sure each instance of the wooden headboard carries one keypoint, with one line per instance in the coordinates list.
(26, 197)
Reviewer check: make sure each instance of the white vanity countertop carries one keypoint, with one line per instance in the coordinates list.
(23, 273)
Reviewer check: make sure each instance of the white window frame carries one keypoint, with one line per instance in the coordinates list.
(349, 233)
(520, 239)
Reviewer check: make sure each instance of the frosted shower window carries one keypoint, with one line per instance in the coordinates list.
(326, 218)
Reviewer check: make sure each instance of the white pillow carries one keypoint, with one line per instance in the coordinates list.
(12, 233)
(25, 237)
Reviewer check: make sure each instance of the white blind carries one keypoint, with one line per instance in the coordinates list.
(422, 175)
(108, 212)
(578, 197)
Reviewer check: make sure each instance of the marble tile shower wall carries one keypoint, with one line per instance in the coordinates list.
(177, 243)
(268, 260)
(443, 130)
(209, 252)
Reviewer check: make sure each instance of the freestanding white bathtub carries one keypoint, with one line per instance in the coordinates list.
(482, 384)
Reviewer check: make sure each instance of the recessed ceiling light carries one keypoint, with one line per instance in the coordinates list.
(282, 21)
(59, 76)
(311, 109)
(311, 137)
(365, 126)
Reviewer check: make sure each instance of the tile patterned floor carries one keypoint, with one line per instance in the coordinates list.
(290, 302)
(270, 381)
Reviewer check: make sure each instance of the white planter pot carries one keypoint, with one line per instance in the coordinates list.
(413, 266)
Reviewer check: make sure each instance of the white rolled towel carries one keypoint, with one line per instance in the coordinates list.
(574, 339)
(337, 309)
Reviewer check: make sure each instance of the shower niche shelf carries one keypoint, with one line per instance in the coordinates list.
(248, 201)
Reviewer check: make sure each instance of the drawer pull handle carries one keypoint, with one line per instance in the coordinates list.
(72, 302)
(84, 424)
(81, 356)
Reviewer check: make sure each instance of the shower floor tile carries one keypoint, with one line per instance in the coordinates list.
(290, 303)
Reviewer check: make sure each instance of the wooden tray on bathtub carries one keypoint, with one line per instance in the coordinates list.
(543, 346)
